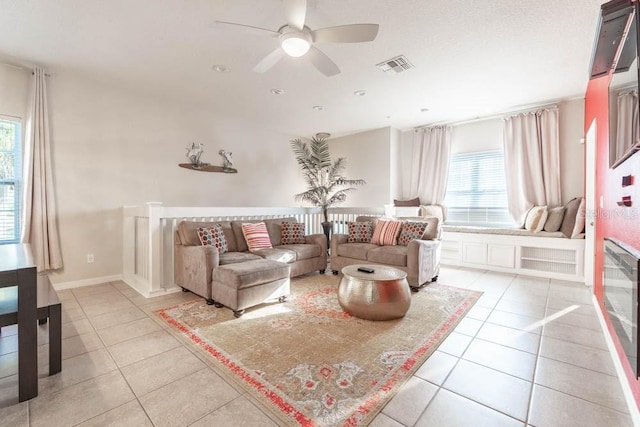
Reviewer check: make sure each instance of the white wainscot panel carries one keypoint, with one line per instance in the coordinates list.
(501, 255)
(474, 253)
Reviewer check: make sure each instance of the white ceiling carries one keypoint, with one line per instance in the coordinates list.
(472, 58)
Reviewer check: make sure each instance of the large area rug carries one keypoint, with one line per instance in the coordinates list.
(310, 363)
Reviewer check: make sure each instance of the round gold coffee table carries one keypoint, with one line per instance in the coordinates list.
(381, 295)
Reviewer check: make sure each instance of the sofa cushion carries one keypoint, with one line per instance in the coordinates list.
(404, 203)
(411, 230)
(386, 232)
(256, 236)
(251, 273)
(438, 211)
(188, 234)
(360, 231)
(213, 236)
(277, 254)
(390, 255)
(292, 233)
(234, 257)
(355, 250)
(305, 251)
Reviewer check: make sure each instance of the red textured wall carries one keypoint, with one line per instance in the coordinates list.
(621, 223)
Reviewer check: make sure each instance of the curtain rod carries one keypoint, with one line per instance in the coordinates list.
(21, 67)
(500, 115)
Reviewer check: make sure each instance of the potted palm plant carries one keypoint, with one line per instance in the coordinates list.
(326, 185)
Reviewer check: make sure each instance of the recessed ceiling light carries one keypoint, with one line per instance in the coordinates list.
(318, 107)
(221, 69)
(387, 117)
(277, 91)
(424, 110)
(360, 93)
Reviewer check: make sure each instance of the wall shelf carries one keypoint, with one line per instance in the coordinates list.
(207, 167)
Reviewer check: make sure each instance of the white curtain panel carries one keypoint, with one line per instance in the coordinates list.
(39, 221)
(628, 128)
(532, 161)
(430, 164)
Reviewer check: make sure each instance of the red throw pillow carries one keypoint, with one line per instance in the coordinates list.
(256, 235)
(386, 232)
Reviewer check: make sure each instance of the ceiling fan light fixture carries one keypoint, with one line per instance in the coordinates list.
(295, 43)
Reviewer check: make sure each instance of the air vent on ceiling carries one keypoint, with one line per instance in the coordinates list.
(397, 64)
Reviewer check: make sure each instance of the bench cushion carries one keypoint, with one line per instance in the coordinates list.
(251, 273)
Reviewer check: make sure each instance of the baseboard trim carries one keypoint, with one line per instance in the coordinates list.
(86, 282)
(622, 377)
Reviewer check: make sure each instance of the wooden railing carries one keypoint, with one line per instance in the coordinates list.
(148, 235)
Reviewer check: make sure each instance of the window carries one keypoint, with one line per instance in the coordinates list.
(476, 190)
(10, 180)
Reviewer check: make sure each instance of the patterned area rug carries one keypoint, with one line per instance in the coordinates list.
(309, 362)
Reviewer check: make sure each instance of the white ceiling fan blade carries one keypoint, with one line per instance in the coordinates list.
(354, 33)
(247, 28)
(322, 62)
(295, 11)
(269, 61)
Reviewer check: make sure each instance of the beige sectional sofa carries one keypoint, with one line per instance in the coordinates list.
(420, 259)
(195, 264)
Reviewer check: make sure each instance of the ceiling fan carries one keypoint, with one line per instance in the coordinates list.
(296, 39)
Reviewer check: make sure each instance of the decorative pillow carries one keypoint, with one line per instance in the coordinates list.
(411, 230)
(410, 202)
(256, 235)
(571, 212)
(360, 232)
(432, 210)
(386, 232)
(213, 236)
(536, 218)
(554, 220)
(580, 220)
(293, 233)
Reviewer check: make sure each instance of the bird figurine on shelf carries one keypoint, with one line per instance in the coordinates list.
(193, 154)
(227, 164)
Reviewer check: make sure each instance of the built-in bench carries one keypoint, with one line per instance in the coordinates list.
(49, 308)
(542, 254)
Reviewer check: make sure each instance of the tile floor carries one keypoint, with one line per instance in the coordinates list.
(530, 352)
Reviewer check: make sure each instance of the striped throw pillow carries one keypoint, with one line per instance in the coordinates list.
(213, 236)
(257, 236)
(386, 232)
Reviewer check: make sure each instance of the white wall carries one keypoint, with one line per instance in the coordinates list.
(112, 148)
(14, 91)
(368, 157)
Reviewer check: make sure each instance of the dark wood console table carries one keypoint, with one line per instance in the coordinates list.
(17, 268)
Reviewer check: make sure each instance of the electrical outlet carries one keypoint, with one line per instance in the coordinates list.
(90, 259)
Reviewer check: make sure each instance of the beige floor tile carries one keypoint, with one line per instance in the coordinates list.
(524, 296)
(159, 305)
(479, 313)
(191, 398)
(65, 295)
(455, 344)
(76, 327)
(550, 408)
(117, 317)
(238, 412)
(505, 393)
(411, 400)
(8, 364)
(154, 372)
(451, 410)
(437, 367)
(80, 344)
(468, 326)
(557, 304)
(510, 337)
(93, 290)
(136, 349)
(8, 344)
(125, 331)
(128, 415)
(592, 386)
(120, 285)
(9, 330)
(382, 420)
(574, 334)
(579, 355)
(516, 321)
(574, 319)
(77, 369)
(8, 391)
(107, 307)
(97, 299)
(71, 314)
(505, 359)
(523, 308)
(487, 301)
(69, 304)
(129, 293)
(80, 402)
(578, 296)
(15, 415)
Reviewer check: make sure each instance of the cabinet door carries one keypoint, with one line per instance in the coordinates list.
(474, 253)
(502, 255)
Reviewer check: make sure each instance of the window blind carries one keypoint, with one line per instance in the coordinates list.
(476, 190)
(10, 180)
